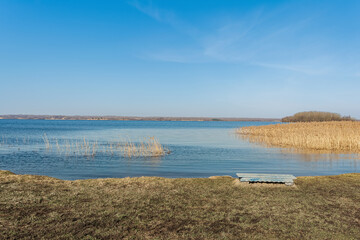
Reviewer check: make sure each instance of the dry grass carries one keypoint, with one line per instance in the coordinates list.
(39, 207)
(343, 136)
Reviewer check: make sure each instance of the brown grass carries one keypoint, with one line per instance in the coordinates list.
(39, 207)
(343, 136)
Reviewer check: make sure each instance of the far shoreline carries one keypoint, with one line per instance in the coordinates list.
(130, 118)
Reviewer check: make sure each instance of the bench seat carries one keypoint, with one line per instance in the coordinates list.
(288, 179)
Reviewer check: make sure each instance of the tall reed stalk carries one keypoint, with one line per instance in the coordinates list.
(46, 141)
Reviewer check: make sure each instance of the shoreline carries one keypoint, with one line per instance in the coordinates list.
(133, 118)
(8, 172)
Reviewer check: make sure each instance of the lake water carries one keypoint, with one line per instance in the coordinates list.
(198, 149)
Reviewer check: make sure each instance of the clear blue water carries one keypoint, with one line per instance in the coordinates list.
(198, 149)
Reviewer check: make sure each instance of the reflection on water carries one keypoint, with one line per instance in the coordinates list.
(308, 155)
(198, 149)
(303, 154)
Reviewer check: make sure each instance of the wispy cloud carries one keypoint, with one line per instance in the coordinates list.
(233, 34)
(247, 39)
(306, 68)
(163, 16)
(174, 56)
(153, 12)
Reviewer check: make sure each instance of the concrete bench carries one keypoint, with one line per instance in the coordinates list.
(268, 178)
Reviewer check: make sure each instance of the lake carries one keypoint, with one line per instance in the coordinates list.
(198, 149)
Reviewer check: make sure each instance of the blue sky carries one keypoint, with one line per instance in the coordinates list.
(179, 58)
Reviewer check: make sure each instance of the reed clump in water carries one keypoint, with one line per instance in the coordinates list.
(149, 147)
(341, 136)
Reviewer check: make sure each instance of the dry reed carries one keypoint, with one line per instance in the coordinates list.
(340, 136)
(149, 147)
(46, 141)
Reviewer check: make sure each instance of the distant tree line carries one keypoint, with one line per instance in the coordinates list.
(315, 116)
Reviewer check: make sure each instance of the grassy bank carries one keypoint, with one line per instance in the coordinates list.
(342, 136)
(160, 208)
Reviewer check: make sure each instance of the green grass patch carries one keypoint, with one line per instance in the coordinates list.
(36, 207)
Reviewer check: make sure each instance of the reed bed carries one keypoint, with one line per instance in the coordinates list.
(341, 136)
(148, 147)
